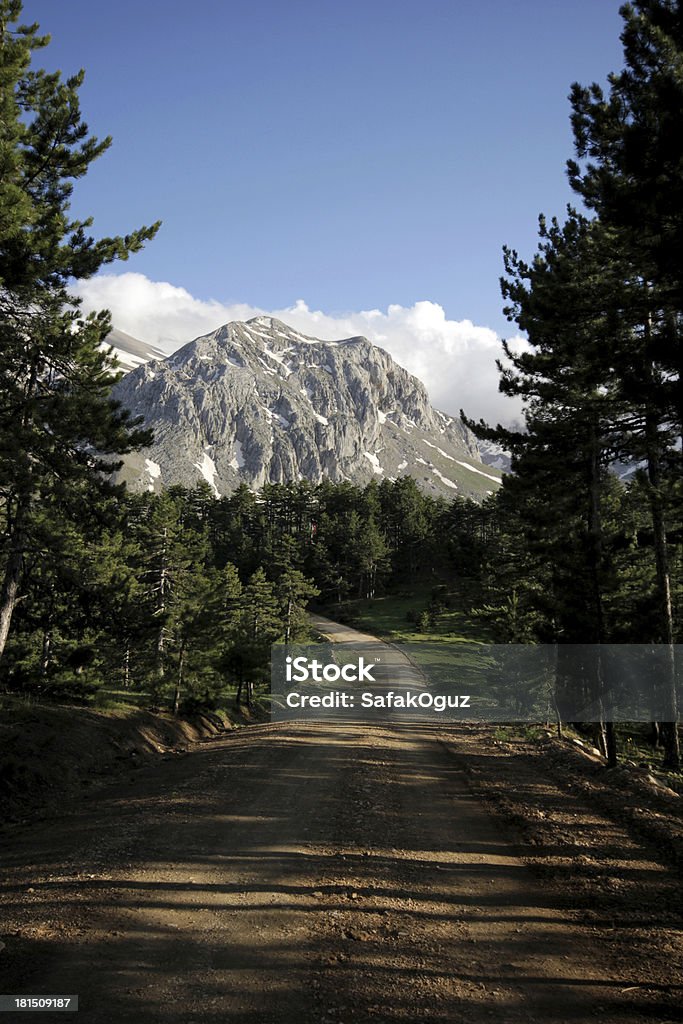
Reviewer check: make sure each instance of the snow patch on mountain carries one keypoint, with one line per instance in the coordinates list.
(207, 468)
(473, 469)
(445, 480)
(237, 461)
(374, 462)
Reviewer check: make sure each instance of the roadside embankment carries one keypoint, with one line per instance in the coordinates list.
(50, 753)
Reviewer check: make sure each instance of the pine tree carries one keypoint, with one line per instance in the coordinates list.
(57, 421)
(259, 626)
(629, 146)
(565, 301)
(405, 521)
(294, 591)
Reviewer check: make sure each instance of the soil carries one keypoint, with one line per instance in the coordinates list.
(50, 753)
(346, 872)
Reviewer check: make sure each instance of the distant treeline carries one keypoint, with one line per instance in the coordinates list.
(180, 594)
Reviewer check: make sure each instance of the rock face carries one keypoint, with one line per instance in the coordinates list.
(494, 455)
(258, 403)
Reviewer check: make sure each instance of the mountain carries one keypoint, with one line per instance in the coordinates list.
(258, 403)
(130, 352)
(493, 454)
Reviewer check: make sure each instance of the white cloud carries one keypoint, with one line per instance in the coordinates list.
(454, 358)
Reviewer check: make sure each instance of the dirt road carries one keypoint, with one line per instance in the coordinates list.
(311, 873)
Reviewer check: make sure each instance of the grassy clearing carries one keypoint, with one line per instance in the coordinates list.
(444, 649)
(389, 617)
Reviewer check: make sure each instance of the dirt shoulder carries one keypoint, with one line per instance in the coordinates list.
(538, 784)
(51, 754)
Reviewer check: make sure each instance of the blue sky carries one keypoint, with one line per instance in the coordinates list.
(356, 155)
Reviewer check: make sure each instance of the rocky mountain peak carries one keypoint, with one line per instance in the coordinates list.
(258, 402)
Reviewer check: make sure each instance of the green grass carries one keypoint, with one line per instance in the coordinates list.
(387, 617)
(446, 648)
(107, 697)
(634, 745)
(510, 733)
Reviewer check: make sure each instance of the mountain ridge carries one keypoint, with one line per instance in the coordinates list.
(130, 352)
(258, 402)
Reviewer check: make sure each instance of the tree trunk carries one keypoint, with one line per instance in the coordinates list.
(611, 744)
(240, 682)
(608, 739)
(17, 529)
(126, 665)
(288, 622)
(179, 679)
(13, 569)
(161, 611)
(46, 654)
(669, 727)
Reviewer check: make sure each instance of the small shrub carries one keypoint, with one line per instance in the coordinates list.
(424, 622)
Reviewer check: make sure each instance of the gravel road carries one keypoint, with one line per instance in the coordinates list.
(302, 873)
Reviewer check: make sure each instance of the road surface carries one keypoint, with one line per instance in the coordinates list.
(300, 874)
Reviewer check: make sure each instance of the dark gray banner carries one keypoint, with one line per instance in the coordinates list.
(467, 682)
(38, 1004)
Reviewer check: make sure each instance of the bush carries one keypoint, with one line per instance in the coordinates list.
(424, 622)
(194, 705)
